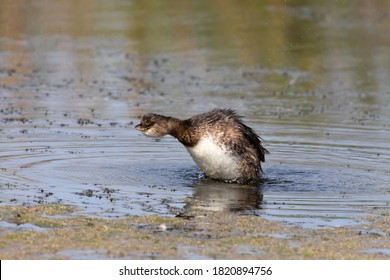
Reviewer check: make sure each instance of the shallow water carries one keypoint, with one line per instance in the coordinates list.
(313, 80)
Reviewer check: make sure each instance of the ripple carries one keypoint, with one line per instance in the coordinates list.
(311, 181)
(329, 152)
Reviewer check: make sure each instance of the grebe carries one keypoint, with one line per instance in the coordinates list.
(218, 141)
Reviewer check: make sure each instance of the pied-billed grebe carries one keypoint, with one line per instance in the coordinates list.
(218, 141)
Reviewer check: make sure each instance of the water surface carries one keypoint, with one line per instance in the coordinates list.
(311, 79)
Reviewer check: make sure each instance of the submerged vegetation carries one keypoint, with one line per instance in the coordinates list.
(56, 232)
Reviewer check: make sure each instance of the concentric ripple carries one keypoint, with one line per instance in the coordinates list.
(118, 176)
(70, 97)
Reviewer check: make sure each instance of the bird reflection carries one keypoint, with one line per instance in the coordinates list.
(212, 195)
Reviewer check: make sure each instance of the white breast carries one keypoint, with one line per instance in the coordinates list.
(216, 162)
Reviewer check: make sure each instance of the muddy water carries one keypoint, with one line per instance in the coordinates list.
(312, 79)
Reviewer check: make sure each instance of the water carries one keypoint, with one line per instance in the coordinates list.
(312, 79)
